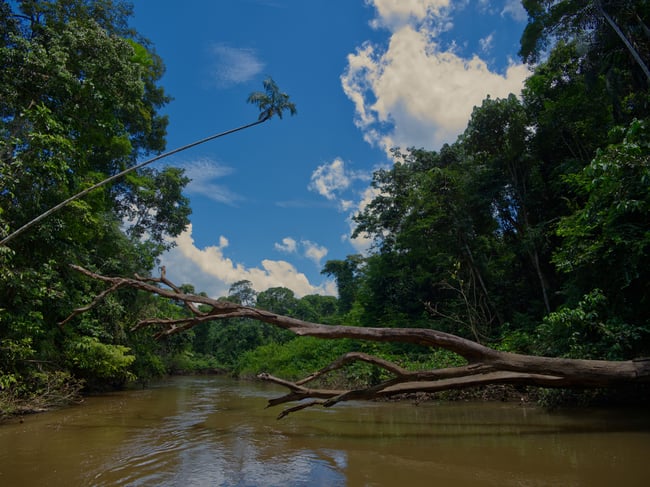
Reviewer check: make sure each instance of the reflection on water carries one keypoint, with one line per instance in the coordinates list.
(216, 432)
(215, 438)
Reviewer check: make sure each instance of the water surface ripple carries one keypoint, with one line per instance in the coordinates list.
(213, 431)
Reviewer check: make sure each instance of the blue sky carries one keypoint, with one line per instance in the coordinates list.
(273, 203)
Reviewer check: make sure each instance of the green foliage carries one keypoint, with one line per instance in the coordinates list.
(318, 309)
(434, 359)
(12, 352)
(345, 272)
(187, 362)
(586, 331)
(571, 113)
(460, 230)
(279, 300)
(223, 343)
(79, 102)
(611, 36)
(418, 225)
(606, 240)
(160, 191)
(149, 357)
(293, 359)
(45, 389)
(271, 101)
(242, 292)
(297, 358)
(141, 55)
(227, 340)
(549, 21)
(92, 360)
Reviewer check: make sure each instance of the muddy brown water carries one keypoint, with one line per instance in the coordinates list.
(213, 431)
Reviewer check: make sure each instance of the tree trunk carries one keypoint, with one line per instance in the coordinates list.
(635, 54)
(485, 365)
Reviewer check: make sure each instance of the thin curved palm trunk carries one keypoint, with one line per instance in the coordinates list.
(625, 40)
(112, 178)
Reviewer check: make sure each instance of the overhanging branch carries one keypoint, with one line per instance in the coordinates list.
(485, 365)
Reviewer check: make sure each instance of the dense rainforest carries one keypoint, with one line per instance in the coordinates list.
(530, 233)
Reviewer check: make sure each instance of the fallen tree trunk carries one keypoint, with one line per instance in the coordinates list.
(485, 365)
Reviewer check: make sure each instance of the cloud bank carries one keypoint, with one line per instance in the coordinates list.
(211, 271)
(413, 92)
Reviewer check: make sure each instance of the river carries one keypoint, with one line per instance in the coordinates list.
(214, 431)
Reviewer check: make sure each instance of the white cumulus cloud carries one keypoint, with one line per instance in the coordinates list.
(314, 251)
(412, 92)
(515, 9)
(210, 270)
(424, 94)
(392, 13)
(331, 179)
(288, 245)
(328, 179)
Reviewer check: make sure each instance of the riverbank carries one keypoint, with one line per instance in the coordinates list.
(12, 408)
(550, 399)
(51, 390)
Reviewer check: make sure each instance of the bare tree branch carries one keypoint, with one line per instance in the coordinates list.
(485, 365)
(100, 297)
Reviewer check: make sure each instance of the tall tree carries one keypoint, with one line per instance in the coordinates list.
(497, 138)
(271, 101)
(79, 101)
(242, 292)
(606, 240)
(279, 300)
(425, 223)
(612, 36)
(345, 273)
(569, 110)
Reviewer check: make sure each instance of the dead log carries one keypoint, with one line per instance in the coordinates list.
(485, 365)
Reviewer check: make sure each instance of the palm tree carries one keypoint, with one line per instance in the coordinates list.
(270, 102)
